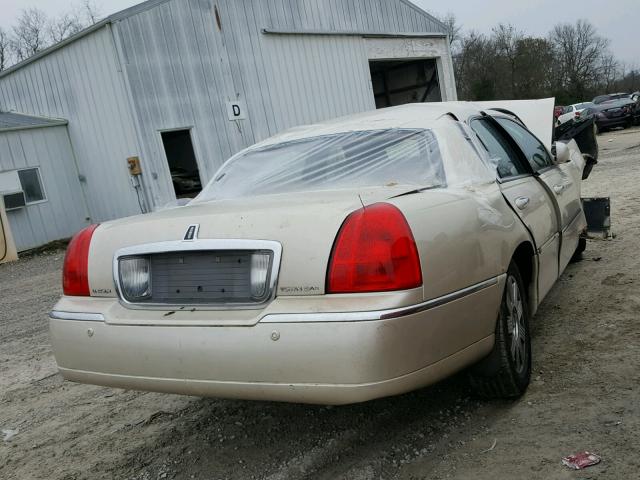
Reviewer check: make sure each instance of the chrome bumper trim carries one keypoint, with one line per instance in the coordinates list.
(328, 316)
(380, 314)
(78, 316)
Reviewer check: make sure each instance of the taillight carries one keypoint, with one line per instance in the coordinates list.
(374, 251)
(75, 275)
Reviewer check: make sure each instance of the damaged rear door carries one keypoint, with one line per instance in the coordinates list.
(526, 195)
(562, 184)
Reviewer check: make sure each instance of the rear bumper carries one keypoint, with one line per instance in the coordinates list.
(347, 358)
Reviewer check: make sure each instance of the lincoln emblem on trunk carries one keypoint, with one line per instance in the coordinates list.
(192, 232)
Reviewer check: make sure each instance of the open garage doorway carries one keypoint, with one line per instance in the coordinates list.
(396, 82)
(183, 166)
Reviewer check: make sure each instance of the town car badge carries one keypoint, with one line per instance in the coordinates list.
(192, 232)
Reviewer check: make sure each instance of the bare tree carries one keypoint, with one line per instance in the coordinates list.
(628, 79)
(507, 39)
(534, 63)
(474, 67)
(609, 71)
(4, 49)
(580, 52)
(90, 12)
(454, 29)
(81, 16)
(30, 34)
(64, 26)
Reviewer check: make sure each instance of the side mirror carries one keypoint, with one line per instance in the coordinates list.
(562, 153)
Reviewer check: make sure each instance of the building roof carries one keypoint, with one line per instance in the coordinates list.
(10, 121)
(148, 4)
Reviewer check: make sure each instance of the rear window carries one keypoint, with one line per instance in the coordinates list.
(343, 160)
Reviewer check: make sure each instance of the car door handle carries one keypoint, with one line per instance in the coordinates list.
(559, 188)
(522, 202)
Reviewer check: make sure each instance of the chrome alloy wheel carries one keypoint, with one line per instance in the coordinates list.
(516, 325)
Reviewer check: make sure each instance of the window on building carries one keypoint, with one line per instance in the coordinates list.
(31, 185)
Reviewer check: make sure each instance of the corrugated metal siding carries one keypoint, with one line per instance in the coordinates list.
(82, 84)
(180, 71)
(336, 82)
(64, 211)
(183, 69)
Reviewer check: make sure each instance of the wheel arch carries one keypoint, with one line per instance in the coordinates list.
(525, 258)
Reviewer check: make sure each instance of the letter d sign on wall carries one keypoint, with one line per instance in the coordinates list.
(236, 110)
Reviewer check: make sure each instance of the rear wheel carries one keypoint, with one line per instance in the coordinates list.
(506, 372)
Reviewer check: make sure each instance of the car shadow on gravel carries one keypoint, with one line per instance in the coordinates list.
(242, 439)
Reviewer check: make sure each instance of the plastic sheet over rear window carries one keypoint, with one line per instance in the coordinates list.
(466, 160)
(348, 159)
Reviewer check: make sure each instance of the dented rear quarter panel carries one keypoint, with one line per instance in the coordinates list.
(464, 236)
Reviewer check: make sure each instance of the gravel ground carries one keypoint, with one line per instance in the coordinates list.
(584, 394)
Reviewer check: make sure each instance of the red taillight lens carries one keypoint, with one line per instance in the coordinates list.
(374, 251)
(75, 278)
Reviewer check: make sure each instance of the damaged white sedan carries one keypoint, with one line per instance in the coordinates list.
(335, 263)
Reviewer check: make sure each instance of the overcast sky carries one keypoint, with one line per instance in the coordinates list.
(617, 20)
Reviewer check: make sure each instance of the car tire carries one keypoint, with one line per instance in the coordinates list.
(577, 255)
(506, 371)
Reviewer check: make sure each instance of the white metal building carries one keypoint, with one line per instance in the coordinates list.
(181, 85)
(39, 180)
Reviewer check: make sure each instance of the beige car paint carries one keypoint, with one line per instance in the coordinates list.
(558, 184)
(466, 235)
(305, 223)
(539, 216)
(8, 251)
(576, 222)
(315, 362)
(482, 239)
(314, 393)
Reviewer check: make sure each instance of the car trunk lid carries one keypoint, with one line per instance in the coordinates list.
(304, 224)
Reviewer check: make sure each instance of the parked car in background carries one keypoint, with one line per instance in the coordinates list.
(335, 263)
(635, 98)
(615, 113)
(608, 97)
(573, 111)
(557, 111)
